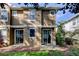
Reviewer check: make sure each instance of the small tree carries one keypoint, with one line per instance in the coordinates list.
(60, 36)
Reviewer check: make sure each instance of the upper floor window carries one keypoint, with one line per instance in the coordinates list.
(63, 26)
(74, 22)
(53, 12)
(4, 14)
(14, 13)
(78, 21)
(32, 14)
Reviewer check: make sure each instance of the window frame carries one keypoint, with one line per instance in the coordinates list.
(4, 36)
(77, 21)
(73, 23)
(7, 16)
(54, 12)
(13, 12)
(30, 32)
(16, 34)
(32, 14)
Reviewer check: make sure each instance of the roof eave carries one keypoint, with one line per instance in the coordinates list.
(40, 8)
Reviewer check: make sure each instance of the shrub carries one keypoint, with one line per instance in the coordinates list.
(39, 53)
(73, 52)
(3, 54)
(68, 41)
(56, 53)
(60, 36)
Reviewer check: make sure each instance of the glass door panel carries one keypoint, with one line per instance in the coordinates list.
(46, 38)
(19, 36)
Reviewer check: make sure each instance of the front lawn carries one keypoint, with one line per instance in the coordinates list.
(24, 54)
(71, 52)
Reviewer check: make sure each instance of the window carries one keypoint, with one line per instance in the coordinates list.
(78, 21)
(32, 32)
(53, 12)
(74, 22)
(14, 13)
(32, 14)
(4, 14)
(19, 36)
(63, 26)
(3, 35)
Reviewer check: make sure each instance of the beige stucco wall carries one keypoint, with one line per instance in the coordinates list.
(32, 41)
(22, 18)
(48, 19)
(6, 24)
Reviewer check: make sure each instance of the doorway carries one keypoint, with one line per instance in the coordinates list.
(46, 36)
(18, 36)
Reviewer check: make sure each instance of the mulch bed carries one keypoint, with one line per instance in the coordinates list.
(23, 48)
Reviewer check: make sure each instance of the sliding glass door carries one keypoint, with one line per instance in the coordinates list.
(19, 36)
(46, 36)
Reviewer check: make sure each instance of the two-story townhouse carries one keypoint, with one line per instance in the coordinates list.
(30, 26)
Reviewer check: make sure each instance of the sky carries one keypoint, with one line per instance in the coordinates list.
(59, 15)
(63, 17)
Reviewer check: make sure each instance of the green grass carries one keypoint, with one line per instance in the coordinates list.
(40, 53)
(56, 53)
(24, 54)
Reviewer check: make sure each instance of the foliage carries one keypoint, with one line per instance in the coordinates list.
(25, 53)
(56, 53)
(70, 52)
(60, 36)
(2, 5)
(72, 7)
(35, 5)
(73, 52)
(72, 37)
(41, 53)
(69, 41)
